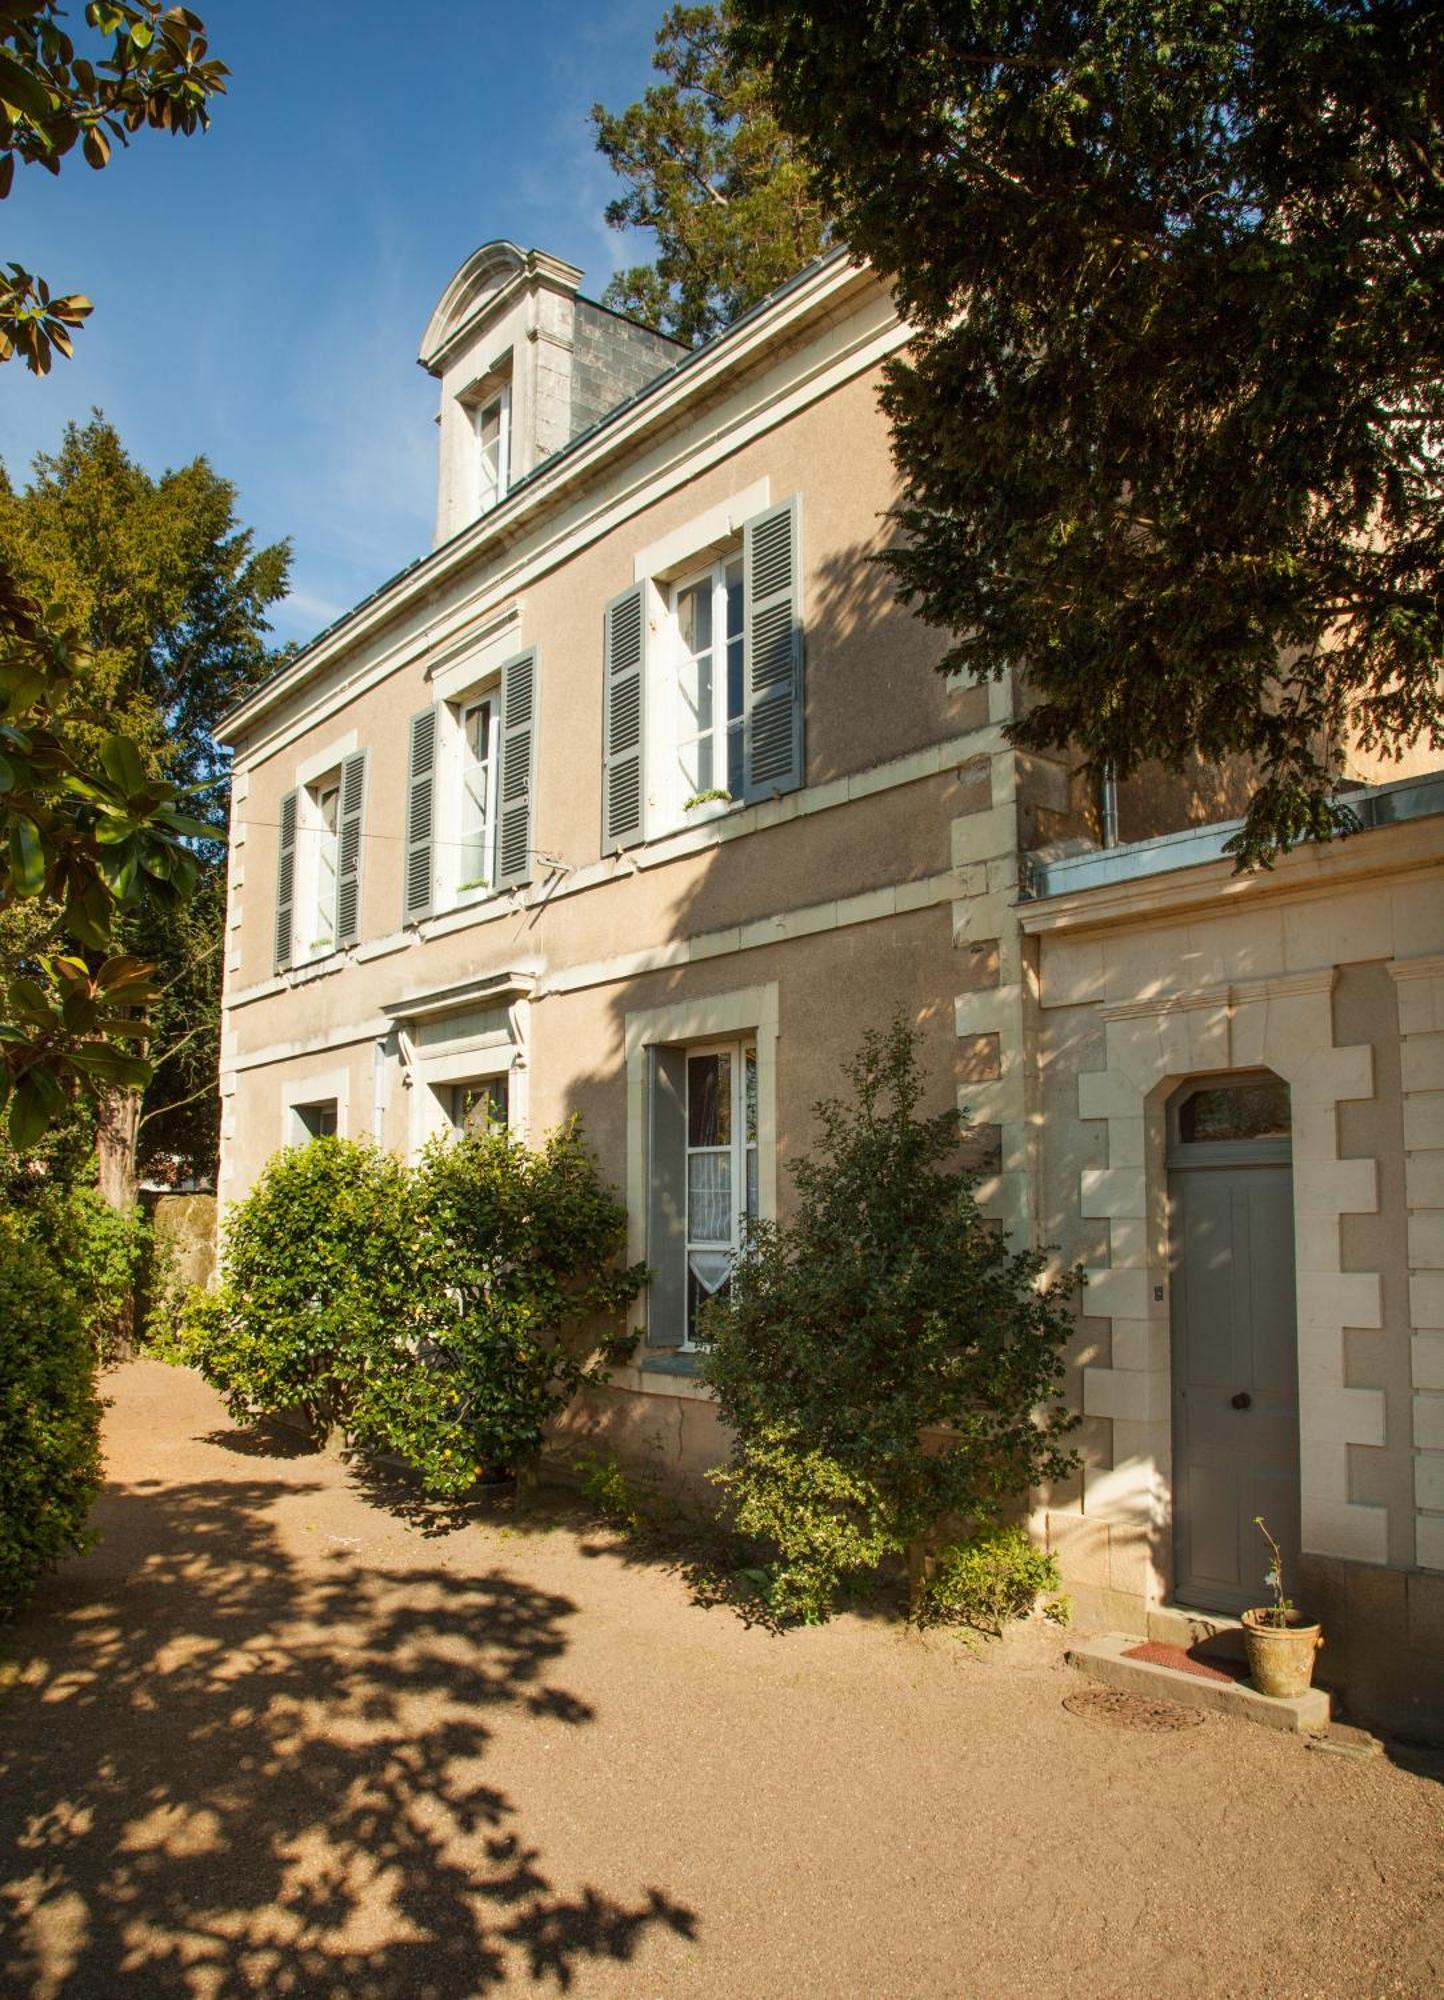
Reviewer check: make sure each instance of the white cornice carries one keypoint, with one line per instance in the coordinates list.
(1316, 870)
(818, 294)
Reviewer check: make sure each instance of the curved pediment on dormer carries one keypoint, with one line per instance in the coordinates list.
(488, 277)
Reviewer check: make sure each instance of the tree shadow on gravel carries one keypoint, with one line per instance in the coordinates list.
(223, 1774)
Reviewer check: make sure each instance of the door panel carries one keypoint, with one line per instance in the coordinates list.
(1234, 1337)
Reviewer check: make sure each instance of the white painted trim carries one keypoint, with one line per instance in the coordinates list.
(479, 659)
(333, 1083)
(688, 545)
(320, 762)
(1316, 872)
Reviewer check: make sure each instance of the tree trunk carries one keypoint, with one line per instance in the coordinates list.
(117, 1128)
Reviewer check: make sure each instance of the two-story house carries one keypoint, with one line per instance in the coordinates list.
(639, 797)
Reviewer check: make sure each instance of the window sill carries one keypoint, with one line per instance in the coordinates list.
(684, 1361)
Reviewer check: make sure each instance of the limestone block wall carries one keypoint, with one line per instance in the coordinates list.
(1419, 988)
(1143, 986)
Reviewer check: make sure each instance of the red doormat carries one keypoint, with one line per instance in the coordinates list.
(1156, 1655)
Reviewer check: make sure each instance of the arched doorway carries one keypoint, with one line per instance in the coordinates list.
(1234, 1335)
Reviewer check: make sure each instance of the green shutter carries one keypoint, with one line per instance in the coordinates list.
(420, 816)
(348, 849)
(772, 649)
(667, 1199)
(286, 883)
(624, 652)
(518, 770)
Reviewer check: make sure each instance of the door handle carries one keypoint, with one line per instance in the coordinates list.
(1243, 1400)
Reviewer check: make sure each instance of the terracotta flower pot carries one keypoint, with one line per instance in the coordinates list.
(1280, 1657)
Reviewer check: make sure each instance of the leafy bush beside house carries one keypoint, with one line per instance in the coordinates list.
(326, 1263)
(443, 1312)
(50, 1466)
(889, 1368)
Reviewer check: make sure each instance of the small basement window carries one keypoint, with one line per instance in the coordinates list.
(315, 1121)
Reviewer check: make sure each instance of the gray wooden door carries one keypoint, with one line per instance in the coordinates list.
(1235, 1364)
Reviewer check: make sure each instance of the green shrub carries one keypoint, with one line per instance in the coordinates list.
(889, 1369)
(50, 1466)
(443, 1312)
(326, 1262)
(607, 1489)
(987, 1582)
(525, 1243)
(102, 1251)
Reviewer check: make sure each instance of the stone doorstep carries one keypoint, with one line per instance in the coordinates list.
(1176, 1625)
(1103, 1659)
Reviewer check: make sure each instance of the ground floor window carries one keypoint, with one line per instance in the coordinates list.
(481, 1105)
(315, 1121)
(721, 1169)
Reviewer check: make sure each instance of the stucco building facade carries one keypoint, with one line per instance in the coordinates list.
(638, 797)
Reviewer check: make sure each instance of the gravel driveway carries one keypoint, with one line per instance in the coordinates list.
(270, 1737)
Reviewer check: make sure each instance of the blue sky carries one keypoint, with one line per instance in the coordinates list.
(261, 289)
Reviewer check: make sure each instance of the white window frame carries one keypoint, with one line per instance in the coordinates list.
(312, 842)
(740, 1147)
(670, 701)
(485, 497)
(750, 1013)
(448, 873)
(501, 1077)
(304, 1094)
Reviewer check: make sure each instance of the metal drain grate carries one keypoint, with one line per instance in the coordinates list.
(1143, 1712)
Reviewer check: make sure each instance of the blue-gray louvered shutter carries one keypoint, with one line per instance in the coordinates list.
(624, 653)
(772, 649)
(667, 1199)
(420, 817)
(286, 883)
(348, 849)
(519, 679)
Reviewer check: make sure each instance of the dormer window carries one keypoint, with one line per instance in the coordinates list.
(493, 449)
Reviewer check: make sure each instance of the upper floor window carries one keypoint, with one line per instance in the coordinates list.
(707, 714)
(318, 876)
(470, 776)
(476, 789)
(324, 801)
(493, 449)
(702, 684)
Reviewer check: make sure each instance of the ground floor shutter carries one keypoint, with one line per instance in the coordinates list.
(667, 1198)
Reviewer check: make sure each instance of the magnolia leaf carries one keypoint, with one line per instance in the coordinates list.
(35, 1103)
(21, 90)
(123, 763)
(103, 1064)
(27, 857)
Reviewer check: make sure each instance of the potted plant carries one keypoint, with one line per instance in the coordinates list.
(1280, 1646)
(706, 805)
